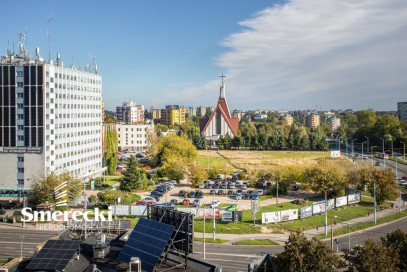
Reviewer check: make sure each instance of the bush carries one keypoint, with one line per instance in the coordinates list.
(161, 172)
(93, 199)
(62, 208)
(151, 182)
(241, 176)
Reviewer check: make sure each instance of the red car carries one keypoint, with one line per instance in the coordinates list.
(185, 202)
(143, 203)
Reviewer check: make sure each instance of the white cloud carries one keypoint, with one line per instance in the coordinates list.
(337, 54)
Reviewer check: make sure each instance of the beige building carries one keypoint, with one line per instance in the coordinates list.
(287, 118)
(312, 120)
(133, 137)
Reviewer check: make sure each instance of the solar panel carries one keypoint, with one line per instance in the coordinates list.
(147, 241)
(54, 255)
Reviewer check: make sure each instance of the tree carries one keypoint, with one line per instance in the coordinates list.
(110, 142)
(374, 256)
(111, 196)
(385, 184)
(397, 240)
(175, 146)
(44, 187)
(303, 255)
(175, 167)
(134, 178)
(262, 140)
(254, 142)
(93, 199)
(197, 173)
(221, 143)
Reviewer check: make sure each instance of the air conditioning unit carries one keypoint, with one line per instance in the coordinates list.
(135, 264)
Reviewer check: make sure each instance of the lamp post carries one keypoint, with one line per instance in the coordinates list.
(384, 157)
(204, 216)
(214, 228)
(371, 152)
(348, 235)
(374, 197)
(362, 152)
(367, 148)
(326, 216)
(353, 147)
(404, 158)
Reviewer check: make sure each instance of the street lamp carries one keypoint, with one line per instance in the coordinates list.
(362, 152)
(371, 152)
(384, 157)
(353, 148)
(367, 149)
(214, 228)
(404, 151)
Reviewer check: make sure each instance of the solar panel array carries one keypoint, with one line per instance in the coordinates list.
(147, 241)
(54, 255)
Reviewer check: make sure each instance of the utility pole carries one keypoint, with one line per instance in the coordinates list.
(277, 191)
(404, 151)
(326, 216)
(384, 155)
(362, 152)
(371, 152)
(374, 196)
(204, 235)
(367, 148)
(214, 228)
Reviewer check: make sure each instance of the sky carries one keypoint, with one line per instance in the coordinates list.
(294, 54)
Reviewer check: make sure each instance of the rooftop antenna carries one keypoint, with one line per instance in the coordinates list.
(95, 69)
(50, 19)
(21, 45)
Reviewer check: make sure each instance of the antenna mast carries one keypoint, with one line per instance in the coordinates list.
(50, 19)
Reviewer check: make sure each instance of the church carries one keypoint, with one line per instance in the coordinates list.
(220, 122)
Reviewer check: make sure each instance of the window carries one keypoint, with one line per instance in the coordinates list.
(20, 106)
(20, 170)
(20, 116)
(20, 95)
(20, 182)
(19, 84)
(20, 159)
(19, 73)
(20, 127)
(20, 138)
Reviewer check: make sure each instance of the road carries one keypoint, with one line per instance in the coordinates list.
(14, 240)
(237, 258)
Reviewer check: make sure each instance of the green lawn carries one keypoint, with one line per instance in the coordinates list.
(106, 182)
(214, 162)
(256, 242)
(210, 240)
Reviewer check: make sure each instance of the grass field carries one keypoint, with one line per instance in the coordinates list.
(210, 240)
(256, 242)
(249, 160)
(106, 182)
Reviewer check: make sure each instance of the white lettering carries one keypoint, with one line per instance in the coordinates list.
(27, 214)
(55, 216)
(76, 213)
(42, 216)
(85, 215)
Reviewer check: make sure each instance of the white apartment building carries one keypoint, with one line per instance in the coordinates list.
(402, 111)
(130, 112)
(50, 119)
(133, 137)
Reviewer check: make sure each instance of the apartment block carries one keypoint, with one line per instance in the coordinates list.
(130, 113)
(173, 114)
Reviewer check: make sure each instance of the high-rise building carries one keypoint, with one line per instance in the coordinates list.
(173, 114)
(287, 118)
(402, 111)
(130, 113)
(50, 119)
(201, 111)
(133, 137)
(312, 120)
(191, 111)
(156, 114)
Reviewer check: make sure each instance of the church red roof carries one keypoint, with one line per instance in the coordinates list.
(233, 123)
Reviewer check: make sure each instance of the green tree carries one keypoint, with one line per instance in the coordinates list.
(93, 199)
(254, 142)
(397, 240)
(374, 256)
(111, 145)
(175, 146)
(221, 142)
(385, 184)
(263, 140)
(303, 255)
(197, 173)
(134, 178)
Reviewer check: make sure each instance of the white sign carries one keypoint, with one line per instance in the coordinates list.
(208, 213)
(138, 210)
(120, 209)
(227, 215)
(354, 198)
(341, 201)
(288, 215)
(270, 217)
(318, 208)
(188, 210)
(331, 203)
(335, 154)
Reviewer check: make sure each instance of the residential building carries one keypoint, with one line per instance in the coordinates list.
(402, 111)
(220, 123)
(133, 137)
(103, 111)
(287, 118)
(201, 111)
(130, 113)
(210, 110)
(50, 119)
(156, 114)
(237, 114)
(312, 120)
(191, 111)
(335, 122)
(260, 116)
(173, 114)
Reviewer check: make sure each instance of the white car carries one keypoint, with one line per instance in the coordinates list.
(201, 186)
(215, 203)
(173, 182)
(238, 196)
(244, 186)
(149, 199)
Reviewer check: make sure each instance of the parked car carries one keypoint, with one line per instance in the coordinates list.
(185, 201)
(255, 197)
(403, 182)
(378, 163)
(239, 191)
(232, 207)
(230, 192)
(260, 192)
(268, 184)
(173, 182)
(237, 184)
(201, 186)
(212, 192)
(215, 203)
(199, 195)
(238, 196)
(156, 193)
(246, 196)
(143, 203)
(404, 178)
(250, 192)
(224, 186)
(207, 181)
(220, 192)
(149, 199)
(174, 202)
(244, 186)
(297, 187)
(181, 193)
(195, 203)
(209, 186)
(191, 195)
(216, 186)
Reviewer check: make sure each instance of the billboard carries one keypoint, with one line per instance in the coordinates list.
(270, 217)
(208, 213)
(353, 198)
(306, 211)
(120, 209)
(318, 207)
(331, 203)
(335, 154)
(227, 215)
(21, 149)
(188, 210)
(288, 215)
(138, 210)
(341, 201)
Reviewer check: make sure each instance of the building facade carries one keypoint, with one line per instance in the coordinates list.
(402, 111)
(201, 111)
(173, 114)
(287, 118)
(191, 111)
(312, 120)
(133, 137)
(130, 113)
(50, 119)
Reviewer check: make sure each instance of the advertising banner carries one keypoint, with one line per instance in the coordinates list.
(353, 198)
(335, 154)
(138, 210)
(331, 203)
(306, 211)
(288, 215)
(188, 210)
(318, 207)
(341, 201)
(120, 209)
(270, 217)
(208, 213)
(227, 215)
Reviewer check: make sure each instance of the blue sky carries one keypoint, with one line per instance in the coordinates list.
(276, 55)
